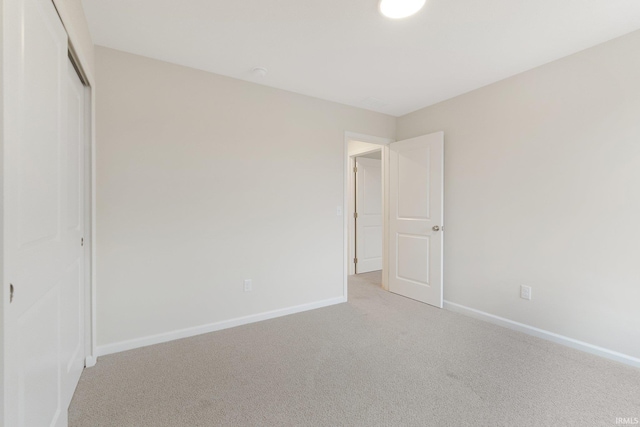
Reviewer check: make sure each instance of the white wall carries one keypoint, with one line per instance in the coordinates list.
(542, 178)
(204, 181)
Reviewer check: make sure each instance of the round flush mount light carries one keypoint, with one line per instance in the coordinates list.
(397, 9)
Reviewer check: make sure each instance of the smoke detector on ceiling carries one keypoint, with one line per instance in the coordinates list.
(259, 72)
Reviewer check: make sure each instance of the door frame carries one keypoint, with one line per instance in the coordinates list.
(349, 190)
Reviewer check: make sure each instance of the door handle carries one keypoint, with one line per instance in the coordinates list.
(435, 228)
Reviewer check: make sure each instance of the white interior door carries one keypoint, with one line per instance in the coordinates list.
(43, 206)
(416, 193)
(369, 215)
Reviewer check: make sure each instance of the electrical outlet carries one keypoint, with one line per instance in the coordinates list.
(248, 285)
(525, 292)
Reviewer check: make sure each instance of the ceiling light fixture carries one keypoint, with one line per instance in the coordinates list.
(397, 9)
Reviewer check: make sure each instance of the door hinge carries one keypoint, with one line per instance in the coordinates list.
(82, 241)
(10, 293)
(355, 215)
(355, 260)
(355, 169)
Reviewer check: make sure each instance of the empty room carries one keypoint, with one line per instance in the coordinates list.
(320, 213)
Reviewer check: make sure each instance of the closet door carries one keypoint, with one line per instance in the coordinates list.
(38, 215)
(73, 284)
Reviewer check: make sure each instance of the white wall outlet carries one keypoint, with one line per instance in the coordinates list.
(248, 285)
(525, 292)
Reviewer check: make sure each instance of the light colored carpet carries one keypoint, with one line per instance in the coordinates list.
(378, 360)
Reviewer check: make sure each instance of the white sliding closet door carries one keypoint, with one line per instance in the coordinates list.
(73, 291)
(43, 217)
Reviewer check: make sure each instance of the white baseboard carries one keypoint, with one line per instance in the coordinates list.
(89, 362)
(212, 327)
(541, 333)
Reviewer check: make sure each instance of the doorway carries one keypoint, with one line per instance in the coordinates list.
(412, 198)
(365, 206)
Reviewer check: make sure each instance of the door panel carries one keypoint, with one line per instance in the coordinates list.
(369, 209)
(411, 249)
(39, 182)
(413, 179)
(39, 372)
(73, 286)
(43, 218)
(35, 110)
(415, 207)
(371, 247)
(72, 330)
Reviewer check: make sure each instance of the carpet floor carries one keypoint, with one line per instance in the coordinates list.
(378, 360)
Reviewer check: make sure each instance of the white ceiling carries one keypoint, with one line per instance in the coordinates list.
(345, 51)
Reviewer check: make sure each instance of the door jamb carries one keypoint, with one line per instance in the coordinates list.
(348, 169)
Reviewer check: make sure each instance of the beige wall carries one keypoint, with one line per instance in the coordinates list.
(542, 177)
(73, 18)
(204, 181)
